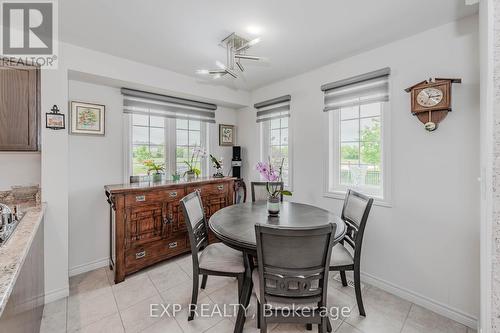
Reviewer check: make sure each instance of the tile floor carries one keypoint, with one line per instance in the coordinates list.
(96, 304)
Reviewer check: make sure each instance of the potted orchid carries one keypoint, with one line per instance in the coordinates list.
(193, 170)
(271, 175)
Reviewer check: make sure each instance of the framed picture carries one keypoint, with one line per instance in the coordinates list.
(226, 135)
(54, 121)
(87, 118)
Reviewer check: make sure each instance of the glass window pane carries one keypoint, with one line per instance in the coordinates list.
(373, 176)
(138, 119)
(140, 153)
(182, 138)
(349, 153)
(181, 123)
(139, 170)
(157, 121)
(284, 122)
(275, 137)
(370, 110)
(371, 153)
(158, 153)
(140, 135)
(349, 113)
(370, 129)
(349, 130)
(194, 138)
(284, 137)
(275, 123)
(182, 154)
(157, 136)
(194, 125)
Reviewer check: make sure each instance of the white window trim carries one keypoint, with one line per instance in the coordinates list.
(171, 165)
(264, 149)
(329, 157)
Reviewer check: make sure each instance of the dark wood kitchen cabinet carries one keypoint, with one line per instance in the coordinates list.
(19, 107)
(147, 223)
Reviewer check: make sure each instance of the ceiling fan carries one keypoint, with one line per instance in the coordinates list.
(236, 48)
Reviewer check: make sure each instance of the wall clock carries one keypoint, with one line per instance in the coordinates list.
(431, 101)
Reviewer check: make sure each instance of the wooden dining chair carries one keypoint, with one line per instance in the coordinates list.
(291, 280)
(214, 259)
(259, 191)
(355, 214)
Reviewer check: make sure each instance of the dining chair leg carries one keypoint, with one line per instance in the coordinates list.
(357, 289)
(258, 314)
(204, 281)
(328, 325)
(309, 327)
(194, 297)
(322, 326)
(343, 278)
(241, 279)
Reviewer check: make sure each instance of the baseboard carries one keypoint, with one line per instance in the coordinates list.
(57, 294)
(423, 301)
(88, 266)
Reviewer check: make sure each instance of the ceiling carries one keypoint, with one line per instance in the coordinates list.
(296, 35)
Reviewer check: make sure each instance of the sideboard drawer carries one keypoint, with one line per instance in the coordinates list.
(210, 189)
(148, 254)
(154, 196)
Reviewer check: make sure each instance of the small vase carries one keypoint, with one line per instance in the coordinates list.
(156, 177)
(273, 206)
(190, 175)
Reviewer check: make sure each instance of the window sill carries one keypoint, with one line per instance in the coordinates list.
(341, 196)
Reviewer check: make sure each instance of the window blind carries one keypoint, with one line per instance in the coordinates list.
(275, 108)
(145, 103)
(359, 90)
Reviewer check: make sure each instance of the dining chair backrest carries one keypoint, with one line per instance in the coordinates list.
(196, 224)
(293, 263)
(355, 213)
(259, 190)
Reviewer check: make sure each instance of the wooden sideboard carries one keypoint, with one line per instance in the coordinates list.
(147, 224)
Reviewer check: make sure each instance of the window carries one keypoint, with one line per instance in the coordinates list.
(148, 142)
(164, 129)
(189, 135)
(275, 141)
(358, 149)
(357, 153)
(273, 115)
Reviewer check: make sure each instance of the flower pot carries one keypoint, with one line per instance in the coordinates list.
(190, 175)
(156, 177)
(273, 206)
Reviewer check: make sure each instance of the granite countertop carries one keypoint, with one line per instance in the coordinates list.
(118, 188)
(14, 251)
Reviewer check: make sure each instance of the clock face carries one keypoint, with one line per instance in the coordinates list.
(429, 97)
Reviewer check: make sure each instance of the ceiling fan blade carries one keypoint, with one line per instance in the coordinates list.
(217, 71)
(246, 57)
(232, 73)
(240, 66)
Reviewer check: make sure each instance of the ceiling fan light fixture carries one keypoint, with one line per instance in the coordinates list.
(236, 47)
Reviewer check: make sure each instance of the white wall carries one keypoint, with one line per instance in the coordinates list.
(98, 161)
(426, 246)
(93, 162)
(19, 168)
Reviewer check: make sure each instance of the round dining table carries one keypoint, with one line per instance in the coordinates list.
(235, 226)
